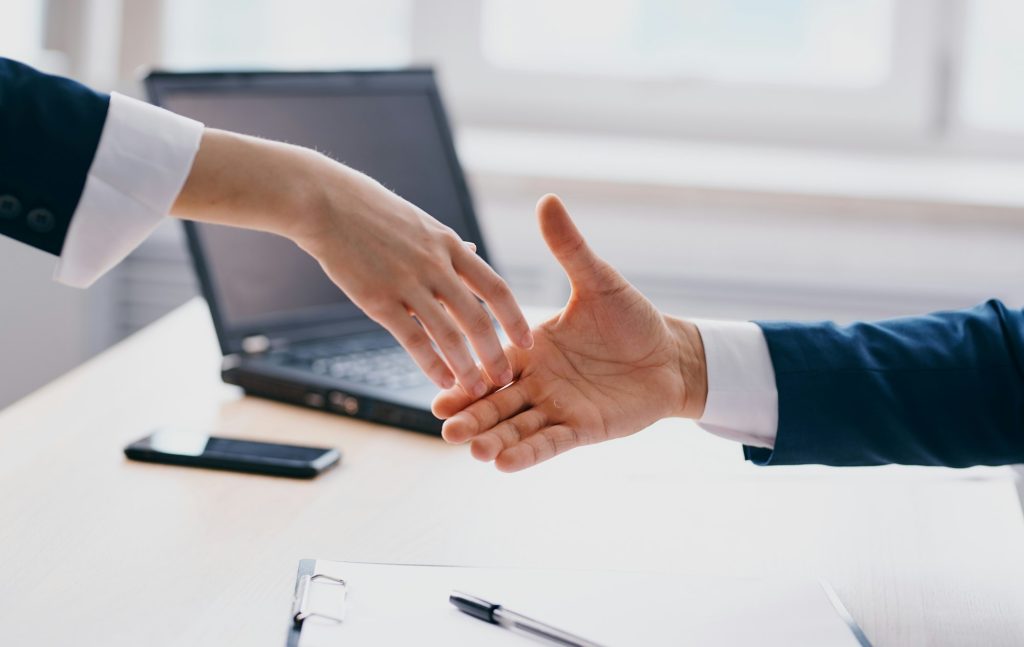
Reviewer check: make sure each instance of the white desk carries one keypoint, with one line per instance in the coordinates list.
(97, 550)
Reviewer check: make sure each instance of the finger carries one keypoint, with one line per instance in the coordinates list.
(452, 344)
(449, 402)
(477, 325)
(539, 447)
(586, 270)
(490, 287)
(470, 246)
(416, 342)
(484, 414)
(507, 433)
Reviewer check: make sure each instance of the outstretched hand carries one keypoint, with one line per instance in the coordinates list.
(608, 365)
(407, 271)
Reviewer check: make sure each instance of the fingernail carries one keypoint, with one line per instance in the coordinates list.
(479, 389)
(526, 340)
(506, 377)
(447, 382)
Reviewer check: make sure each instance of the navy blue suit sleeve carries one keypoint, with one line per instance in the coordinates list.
(49, 130)
(942, 389)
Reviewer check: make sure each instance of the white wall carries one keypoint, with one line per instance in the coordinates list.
(734, 256)
(45, 328)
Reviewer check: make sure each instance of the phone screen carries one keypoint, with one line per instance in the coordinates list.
(193, 444)
(202, 450)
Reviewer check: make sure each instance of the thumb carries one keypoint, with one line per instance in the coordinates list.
(586, 270)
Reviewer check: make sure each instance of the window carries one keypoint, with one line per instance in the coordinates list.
(992, 88)
(816, 71)
(864, 73)
(21, 30)
(832, 42)
(294, 34)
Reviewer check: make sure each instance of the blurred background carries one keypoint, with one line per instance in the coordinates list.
(832, 159)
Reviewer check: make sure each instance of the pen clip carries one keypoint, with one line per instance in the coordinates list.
(300, 605)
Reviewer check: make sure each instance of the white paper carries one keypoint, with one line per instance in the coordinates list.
(405, 605)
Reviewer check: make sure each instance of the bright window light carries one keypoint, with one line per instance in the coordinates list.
(21, 29)
(296, 34)
(992, 92)
(843, 43)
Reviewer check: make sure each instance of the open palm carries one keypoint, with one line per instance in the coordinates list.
(608, 365)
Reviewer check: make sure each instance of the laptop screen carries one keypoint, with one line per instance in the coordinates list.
(395, 134)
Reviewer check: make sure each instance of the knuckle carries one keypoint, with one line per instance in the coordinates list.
(376, 307)
(515, 431)
(534, 453)
(423, 253)
(538, 418)
(481, 323)
(566, 441)
(550, 446)
(451, 338)
(491, 409)
(450, 238)
(436, 367)
(417, 339)
(475, 412)
(496, 286)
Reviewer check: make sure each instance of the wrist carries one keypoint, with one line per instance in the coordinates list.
(328, 199)
(253, 183)
(692, 391)
(305, 209)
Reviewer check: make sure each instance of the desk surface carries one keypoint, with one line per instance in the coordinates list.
(99, 550)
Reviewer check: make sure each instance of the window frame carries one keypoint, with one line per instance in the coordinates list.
(917, 109)
(903, 109)
(955, 133)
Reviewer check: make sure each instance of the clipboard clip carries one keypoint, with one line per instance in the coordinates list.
(301, 610)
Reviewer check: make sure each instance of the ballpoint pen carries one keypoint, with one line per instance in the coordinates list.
(498, 615)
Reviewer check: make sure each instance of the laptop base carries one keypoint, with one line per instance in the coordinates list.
(335, 401)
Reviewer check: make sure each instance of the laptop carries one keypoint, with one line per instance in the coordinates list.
(285, 330)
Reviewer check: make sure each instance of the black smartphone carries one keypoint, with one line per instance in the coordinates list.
(199, 450)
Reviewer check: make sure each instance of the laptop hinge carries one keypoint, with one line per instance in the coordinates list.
(256, 344)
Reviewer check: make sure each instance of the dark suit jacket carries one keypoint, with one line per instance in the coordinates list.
(49, 130)
(942, 389)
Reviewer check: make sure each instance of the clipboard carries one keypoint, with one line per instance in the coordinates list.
(345, 603)
(302, 610)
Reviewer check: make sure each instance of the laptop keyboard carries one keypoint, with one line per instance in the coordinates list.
(375, 362)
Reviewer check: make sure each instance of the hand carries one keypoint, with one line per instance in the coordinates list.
(391, 258)
(608, 365)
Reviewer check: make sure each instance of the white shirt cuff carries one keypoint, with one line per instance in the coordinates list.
(743, 403)
(144, 155)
